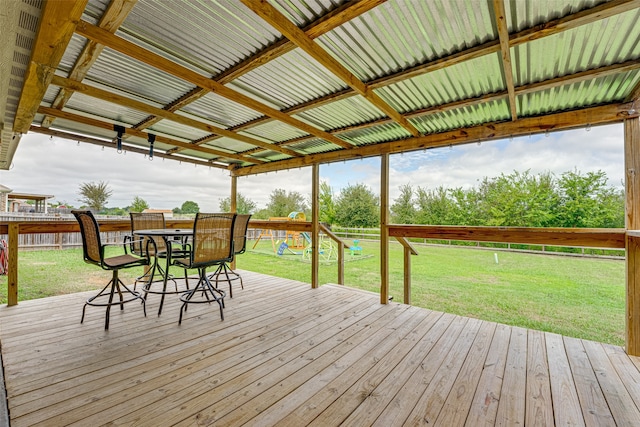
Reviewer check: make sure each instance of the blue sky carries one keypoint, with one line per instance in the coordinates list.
(58, 167)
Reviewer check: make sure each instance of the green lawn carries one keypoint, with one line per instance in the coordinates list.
(579, 297)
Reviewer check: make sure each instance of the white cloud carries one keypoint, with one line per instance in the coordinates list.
(59, 166)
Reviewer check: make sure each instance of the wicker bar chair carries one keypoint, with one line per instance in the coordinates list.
(157, 248)
(212, 245)
(93, 252)
(240, 227)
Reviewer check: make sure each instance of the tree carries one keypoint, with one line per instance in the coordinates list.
(518, 200)
(586, 201)
(327, 205)
(243, 205)
(189, 207)
(357, 206)
(138, 205)
(94, 195)
(402, 210)
(282, 203)
(434, 207)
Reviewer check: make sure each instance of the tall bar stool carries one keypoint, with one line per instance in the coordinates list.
(93, 252)
(212, 245)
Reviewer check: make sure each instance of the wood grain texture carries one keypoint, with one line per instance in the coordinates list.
(320, 357)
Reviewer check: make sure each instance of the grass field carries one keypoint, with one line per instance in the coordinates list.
(578, 297)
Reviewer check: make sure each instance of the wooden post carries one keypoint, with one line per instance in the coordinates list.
(12, 274)
(632, 212)
(234, 208)
(407, 275)
(384, 231)
(315, 226)
(340, 264)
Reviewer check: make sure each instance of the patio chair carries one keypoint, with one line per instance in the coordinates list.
(157, 248)
(239, 246)
(93, 252)
(212, 245)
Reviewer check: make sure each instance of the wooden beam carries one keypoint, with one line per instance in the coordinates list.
(277, 20)
(127, 148)
(488, 131)
(132, 50)
(505, 51)
(104, 95)
(632, 223)
(611, 238)
(109, 126)
(57, 23)
(384, 230)
(113, 17)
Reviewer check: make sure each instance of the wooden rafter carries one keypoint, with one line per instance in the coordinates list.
(134, 132)
(141, 106)
(132, 50)
(277, 20)
(128, 148)
(505, 54)
(111, 20)
(57, 23)
(489, 131)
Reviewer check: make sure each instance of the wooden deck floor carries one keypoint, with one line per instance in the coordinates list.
(290, 355)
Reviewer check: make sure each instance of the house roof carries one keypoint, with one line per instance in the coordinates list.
(255, 86)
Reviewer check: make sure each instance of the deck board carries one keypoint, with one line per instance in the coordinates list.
(290, 355)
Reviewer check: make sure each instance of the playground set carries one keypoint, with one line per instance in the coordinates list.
(299, 243)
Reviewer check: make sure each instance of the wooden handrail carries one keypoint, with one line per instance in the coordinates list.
(612, 238)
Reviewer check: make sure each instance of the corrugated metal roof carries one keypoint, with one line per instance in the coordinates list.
(275, 131)
(114, 112)
(342, 113)
(222, 37)
(221, 110)
(526, 14)
(367, 136)
(609, 41)
(206, 36)
(398, 34)
(460, 81)
(290, 80)
(494, 111)
(303, 12)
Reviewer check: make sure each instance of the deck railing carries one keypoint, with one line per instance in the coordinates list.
(574, 237)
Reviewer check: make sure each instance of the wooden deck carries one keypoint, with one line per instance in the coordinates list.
(290, 355)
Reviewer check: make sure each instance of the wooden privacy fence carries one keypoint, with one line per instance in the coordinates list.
(58, 240)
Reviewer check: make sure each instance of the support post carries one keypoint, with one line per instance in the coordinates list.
(340, 264)
(12, 274)
(384, 231)
(234, 207)
(315, 225)
(407, 275)
(632, 219)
